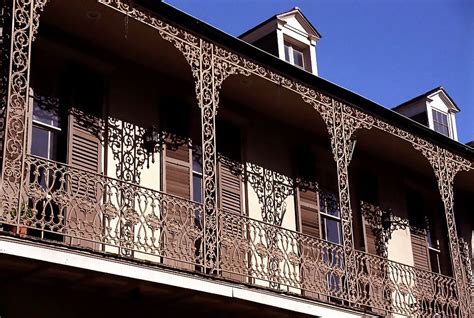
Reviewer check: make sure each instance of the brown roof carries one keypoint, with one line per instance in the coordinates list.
(424, 95)
(274, 17)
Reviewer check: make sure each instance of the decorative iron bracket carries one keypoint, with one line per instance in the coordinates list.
(383, 224)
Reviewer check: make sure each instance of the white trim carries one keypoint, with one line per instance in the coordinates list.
(314, 64)
(454, 130)
(82, 260)
(429, 112)
(281, 43)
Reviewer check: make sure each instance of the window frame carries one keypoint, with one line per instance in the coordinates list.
(324, 215)
(436, 122)
(49, 128)
(291, 48)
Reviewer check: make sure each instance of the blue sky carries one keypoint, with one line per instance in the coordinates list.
(388, 51)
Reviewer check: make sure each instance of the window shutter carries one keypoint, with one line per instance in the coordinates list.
(419, 247)
(370, 239)
(178, 171)
(84, 153)
(419, 243)
(309, 211)
(230, 186)
(233, 259)
(178, 220)
(308, 203)
(84, 147)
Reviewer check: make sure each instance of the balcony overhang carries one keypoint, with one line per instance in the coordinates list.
(120, 272)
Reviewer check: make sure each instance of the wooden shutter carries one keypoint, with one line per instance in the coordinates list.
(233, 257)
(178, 171)
(419, 247)
(314, 276)
(84, 153)
(370, 238)
(416, 215)
(230, 190)
(309, 212)
(178, 245)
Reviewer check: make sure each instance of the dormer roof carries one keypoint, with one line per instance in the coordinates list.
(284, 17)
(450, 103)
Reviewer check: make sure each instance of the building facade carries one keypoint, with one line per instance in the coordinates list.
(152, 163)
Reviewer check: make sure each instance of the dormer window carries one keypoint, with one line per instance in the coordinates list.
(294, 56)
(288, 35)
(440, 122)
(434, 109)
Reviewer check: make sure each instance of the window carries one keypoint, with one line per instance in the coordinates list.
(47, 141)
(433, 248)
(331, 231)
(197, 174)
(45, 131)
(440, 122)
(294, 55)
(330, 217)
(197, 180)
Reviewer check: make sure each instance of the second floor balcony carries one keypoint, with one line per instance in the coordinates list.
(113, 164)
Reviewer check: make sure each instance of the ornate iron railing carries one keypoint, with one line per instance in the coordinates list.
(314, 268)
(261, 253)
(89, 210)
(86, 209)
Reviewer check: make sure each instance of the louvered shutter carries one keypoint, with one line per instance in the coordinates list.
(84, 153)
(309, 211)
(419, 247)
(419, 243)
(370, 239)
(179, 221)
(178, 171)
(233, 257)
(314, 276)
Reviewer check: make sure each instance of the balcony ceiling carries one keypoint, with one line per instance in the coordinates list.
(94, 27)
(254, 94)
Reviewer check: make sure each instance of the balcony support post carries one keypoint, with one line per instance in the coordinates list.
(446, 165)
(24, 26)
(341, 131)
(5, 25)
(207, 96)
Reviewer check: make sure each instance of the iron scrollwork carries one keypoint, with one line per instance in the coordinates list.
(272, 189)
(21, 39)
(5, 25)
(383, 224)
(210, 66)
(446, 165)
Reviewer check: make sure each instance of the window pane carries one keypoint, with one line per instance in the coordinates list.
(434, 261)
(440, 122)
(53, 145)
(197, 188)
(197, 159)
(298, 58)
(332, 230)
(287, 53)
(328, 203)
(45, 116)
(40, 142)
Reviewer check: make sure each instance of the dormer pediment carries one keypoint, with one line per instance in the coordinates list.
(445, 100)
(296, 21)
